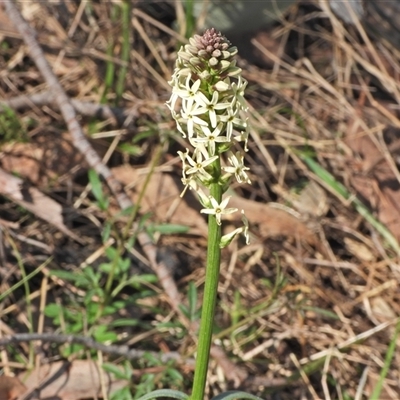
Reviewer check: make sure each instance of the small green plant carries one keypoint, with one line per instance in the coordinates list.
(83, 314)
(11, 126)
(208, 87)
(119, 13)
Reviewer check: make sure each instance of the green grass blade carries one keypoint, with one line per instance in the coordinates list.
(110, 69)
(162, 393)
(341, 190)
(236, 395)
(388, 360)
(125, 51)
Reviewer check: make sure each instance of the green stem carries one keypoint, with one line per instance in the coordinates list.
(209, 300)
(190, 19)
(110, 70)
(376, 394)
(126, 46)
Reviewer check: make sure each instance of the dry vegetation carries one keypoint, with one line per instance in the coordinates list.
(307, 310)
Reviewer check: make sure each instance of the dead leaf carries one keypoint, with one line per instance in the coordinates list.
(10, 388)
(43, 160)
(358, 249)
(312, 200)
(382, 310)
(23, 159)
(162, 198)
(6, 25)
(34, 201)
(274, 222)
(378, 185)
(63, 380)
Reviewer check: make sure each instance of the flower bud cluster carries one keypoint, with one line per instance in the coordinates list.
(208, 89)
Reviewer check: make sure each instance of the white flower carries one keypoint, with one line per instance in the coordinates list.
(243, 137)
(197, 166)
(238, 89)
(210, 106)
(227, 239)
(230, 119)
(245, 227)
(183, 158)
(189, 113)
(186, 91)
(218, 209)
(210, 138)
(238, 168)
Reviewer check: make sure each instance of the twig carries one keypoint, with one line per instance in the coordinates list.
(85, 108)
(88, 342)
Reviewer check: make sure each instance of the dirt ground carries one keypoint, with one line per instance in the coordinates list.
(308, 310)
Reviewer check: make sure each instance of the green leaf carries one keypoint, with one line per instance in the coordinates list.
(116, 370)
(167, 229)
(66, 275)
(168, 393)
(321, 311)
(77, 327)
(174, 375)
(145, 134)
(52, 310)
(130, 149)
(192, 295)
(101, 334)
(111, 253)
(124, 264)
(124, 322)
(236, 395)
(96, 186)
(105, 267)
(91, 275)
(123, 393)
(152, 359)
(105, 235)
(114, 307)
(72, 349)
(170, 324)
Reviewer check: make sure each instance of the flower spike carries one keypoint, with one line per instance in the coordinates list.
(209, 108)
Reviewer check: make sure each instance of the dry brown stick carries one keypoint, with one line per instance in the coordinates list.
(88, 342)
(85, 108)
(82, 144)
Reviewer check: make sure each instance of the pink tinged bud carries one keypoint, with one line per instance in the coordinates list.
(216, 53)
